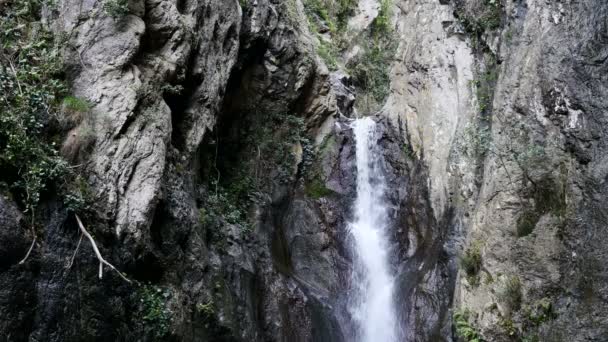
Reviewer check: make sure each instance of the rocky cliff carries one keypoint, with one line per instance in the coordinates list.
(206, 147)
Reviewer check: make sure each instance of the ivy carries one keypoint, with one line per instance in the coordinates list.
(31, 87)
(153, 309)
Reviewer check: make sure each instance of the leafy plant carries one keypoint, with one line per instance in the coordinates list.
(155, 314)
(464, 326)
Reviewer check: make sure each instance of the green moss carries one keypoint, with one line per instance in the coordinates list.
(76, 104)
(316, 189)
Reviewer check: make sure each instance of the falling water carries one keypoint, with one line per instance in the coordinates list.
(371, 302)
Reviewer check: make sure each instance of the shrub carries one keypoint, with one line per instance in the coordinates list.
(470, 261)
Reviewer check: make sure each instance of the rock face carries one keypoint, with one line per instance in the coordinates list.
(506, 110)
(221, 163)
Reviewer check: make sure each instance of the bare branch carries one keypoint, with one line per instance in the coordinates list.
(102, 261)
(28, 251)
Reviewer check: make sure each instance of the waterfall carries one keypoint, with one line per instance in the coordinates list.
(371, 303)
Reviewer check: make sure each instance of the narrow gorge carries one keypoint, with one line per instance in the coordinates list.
(304, 170)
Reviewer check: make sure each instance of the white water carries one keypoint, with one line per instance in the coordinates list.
(371, 304)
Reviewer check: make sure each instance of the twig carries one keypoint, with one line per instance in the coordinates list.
(75, 251)
(102, 261)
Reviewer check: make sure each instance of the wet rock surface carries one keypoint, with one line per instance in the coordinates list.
(493, 139)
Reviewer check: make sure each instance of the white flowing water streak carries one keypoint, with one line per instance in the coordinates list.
(371, 304)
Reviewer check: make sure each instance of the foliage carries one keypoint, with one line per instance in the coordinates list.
(225, 206)
(477, 141)
(370, 71)
(153, 308)
(464, 327)
(470, 262)
(508, 326)
(510, 292)
(486, 18)
(539, 312)
(328, 53)
(207, 309)
(30, 86)
(381, 24)
(116, 8)
(78, 195)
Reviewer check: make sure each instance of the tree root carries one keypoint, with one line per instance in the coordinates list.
(28, 251)
(102, 261)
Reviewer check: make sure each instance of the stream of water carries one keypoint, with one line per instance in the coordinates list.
(371, 304)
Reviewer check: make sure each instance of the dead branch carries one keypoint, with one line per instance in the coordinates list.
(102, 261)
